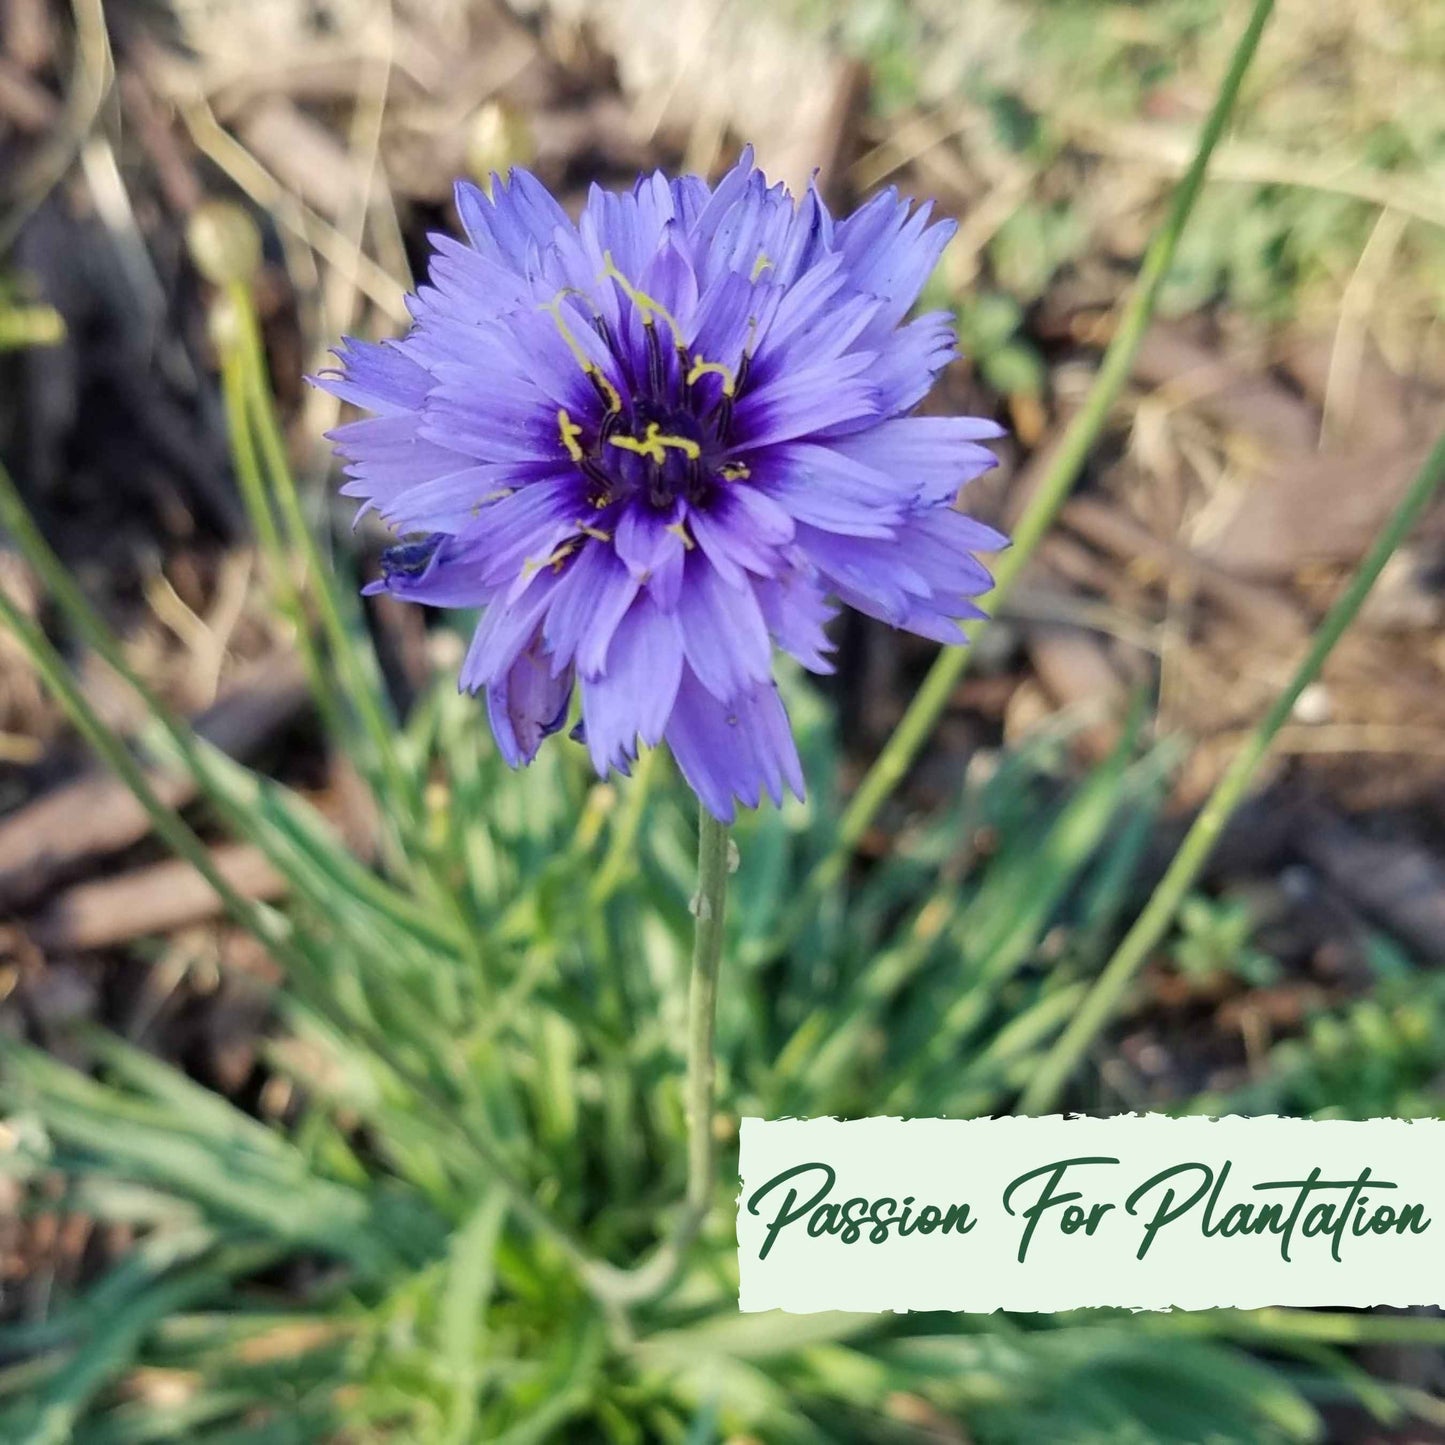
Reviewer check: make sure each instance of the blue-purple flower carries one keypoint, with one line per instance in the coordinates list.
(657, 442)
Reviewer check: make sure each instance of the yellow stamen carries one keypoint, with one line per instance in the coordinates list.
(654, 444)
(496, 496)
(735, 471)
(595, 532)
(701, 368)
(555, 561)
(554, 309)
(679, 530)
(763, 263)
(646, 304)
(570, 432)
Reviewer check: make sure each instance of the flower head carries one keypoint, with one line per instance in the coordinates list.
(656, 443)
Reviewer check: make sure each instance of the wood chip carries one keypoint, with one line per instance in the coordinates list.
(57, 834)
(153, 900)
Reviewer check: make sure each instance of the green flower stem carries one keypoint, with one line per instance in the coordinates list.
(713, 866)
(1078, 441)
(623, 1287)
(1158, 914)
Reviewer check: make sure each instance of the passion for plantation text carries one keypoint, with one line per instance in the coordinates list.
(1081, 1197)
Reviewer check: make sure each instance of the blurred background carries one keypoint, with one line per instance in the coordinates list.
(1286, 392)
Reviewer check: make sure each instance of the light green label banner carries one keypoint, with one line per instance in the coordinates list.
(1137, 1211)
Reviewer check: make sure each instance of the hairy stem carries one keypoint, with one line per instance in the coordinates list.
(712, 884)
(654, 1275)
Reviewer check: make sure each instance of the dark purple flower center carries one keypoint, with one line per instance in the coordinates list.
(669, 437)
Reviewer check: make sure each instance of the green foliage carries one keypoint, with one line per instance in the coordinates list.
(1215, 937)
(1260, 248)
(485, 1045)
(1336, 112)
(1031, 247)
(484, 1039)
(1378, 1056)
(370, 1270)
(452, 1082)
(991, 333)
